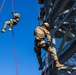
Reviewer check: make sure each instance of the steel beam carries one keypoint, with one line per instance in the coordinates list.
(66, 20)
(52, 9)
(63, 41)
(74, 72)
(68, 45)
(63, 73)
(68, 53)
(54, 31)
(58, 10)
(67, 68)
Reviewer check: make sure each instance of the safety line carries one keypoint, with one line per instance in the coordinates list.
(12, 5)
(16, 61)
(38, 9)
(39, 12)
(2, 5)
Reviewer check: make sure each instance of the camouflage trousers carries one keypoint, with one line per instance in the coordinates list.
(42, 44)
(11, 23)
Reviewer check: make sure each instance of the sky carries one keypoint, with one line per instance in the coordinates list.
(24, 38)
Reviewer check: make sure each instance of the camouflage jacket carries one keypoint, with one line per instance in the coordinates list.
(41, 33)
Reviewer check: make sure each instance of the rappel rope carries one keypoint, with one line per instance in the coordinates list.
(16, 61)
(46, 61)
(40, 22)
(2, 5)
(12, 5)
(39, 12)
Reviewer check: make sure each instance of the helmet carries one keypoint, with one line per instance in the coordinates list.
(17, 15)
(46, 24)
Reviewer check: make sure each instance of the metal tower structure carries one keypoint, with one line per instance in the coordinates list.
(61, 15)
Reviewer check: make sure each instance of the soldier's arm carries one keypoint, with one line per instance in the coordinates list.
(48, 38)
(13, 13)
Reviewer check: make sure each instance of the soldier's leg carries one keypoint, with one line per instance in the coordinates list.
(53, 54)
(11, 24)
(38, 53)
(44, 45)
(5, 25)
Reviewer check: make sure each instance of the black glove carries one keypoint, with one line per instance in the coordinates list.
(12, 12)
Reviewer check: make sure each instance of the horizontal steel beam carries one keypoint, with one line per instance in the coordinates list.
(67, 68)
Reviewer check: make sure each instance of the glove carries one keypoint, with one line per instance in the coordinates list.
(48, 43)
(12, 12)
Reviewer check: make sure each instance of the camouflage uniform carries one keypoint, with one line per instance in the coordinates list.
(12, 22)
(41, 34)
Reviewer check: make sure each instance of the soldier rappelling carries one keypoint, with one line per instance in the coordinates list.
(40, 33)
(12, 22)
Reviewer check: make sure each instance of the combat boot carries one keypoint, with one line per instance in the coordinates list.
(10, 28)
(40, 66)
(53, 54)
(3, 30)
(58, 64)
